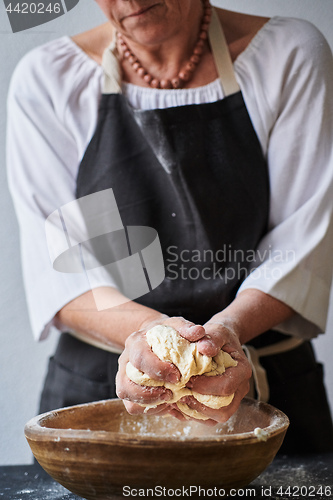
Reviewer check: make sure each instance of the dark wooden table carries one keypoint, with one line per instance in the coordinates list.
(286, 478)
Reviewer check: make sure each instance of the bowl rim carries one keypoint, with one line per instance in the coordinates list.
(35, 431)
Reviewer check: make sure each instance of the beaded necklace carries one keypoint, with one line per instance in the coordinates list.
(186, 73)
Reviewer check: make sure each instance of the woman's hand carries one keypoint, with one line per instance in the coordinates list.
(235, 380)
(139, 353)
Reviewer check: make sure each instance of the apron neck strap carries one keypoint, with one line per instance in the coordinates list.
(111, 68)
(222, 56)
(223, 62)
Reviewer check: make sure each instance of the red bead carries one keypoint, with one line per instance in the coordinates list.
(127, 54)
(148, 78)
(198, 51)
(132, 59)
(190, 67)
(141, 71)
(155, 83)
(184, 75)
(203, 35)
(206, 19)
(136, 66)
(166, 84)
(195, 59)
(176, 83)
(204, 26)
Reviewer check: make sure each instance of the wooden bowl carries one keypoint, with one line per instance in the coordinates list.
(99, 451)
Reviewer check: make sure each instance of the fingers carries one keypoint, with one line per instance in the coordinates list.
(177, 412)
(219, 385)
(223, 414)
(142, 357)
(229, 382)
(139, 354)
(218, 336)
(190, 331)
(128, 390)
(174, 412)
(225, 384)
(136, 409)
(160, 410)
(211, 344)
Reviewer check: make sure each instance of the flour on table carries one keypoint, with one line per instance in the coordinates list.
(169, 345)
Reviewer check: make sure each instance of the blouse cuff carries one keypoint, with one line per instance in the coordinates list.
(303, 291)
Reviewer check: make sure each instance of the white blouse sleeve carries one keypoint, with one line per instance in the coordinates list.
(294, 259)
(44, 147)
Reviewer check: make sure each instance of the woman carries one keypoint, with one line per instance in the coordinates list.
(185, 155)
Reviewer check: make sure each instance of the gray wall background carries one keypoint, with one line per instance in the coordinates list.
(22, 361)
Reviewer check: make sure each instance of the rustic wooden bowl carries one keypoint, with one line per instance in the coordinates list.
(97, 449)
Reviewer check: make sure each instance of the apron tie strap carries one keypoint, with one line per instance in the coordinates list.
(258, 382)
(259, 377)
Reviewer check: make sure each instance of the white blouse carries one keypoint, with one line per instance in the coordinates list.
(286, 76)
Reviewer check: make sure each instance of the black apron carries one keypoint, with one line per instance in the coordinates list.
(197, 175)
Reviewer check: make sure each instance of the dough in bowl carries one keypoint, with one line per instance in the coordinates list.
(169, 345)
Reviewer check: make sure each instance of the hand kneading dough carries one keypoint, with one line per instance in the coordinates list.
(168, 345)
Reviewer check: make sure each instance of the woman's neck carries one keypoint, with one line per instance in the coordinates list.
(239, 30)
(164, 58)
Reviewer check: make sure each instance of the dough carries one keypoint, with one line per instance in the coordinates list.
(168, 345)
